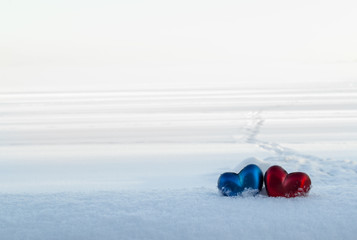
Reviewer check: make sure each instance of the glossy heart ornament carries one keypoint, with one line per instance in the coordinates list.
(249, 178)
(279, 183)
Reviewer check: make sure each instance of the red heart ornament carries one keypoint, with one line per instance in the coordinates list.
(279, 183)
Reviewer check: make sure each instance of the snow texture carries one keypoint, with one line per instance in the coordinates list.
(145, 164)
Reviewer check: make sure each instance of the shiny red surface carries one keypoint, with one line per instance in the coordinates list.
(279, 183)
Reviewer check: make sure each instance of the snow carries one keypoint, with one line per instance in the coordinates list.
(118, 117)
(144, 164)
(180, 214)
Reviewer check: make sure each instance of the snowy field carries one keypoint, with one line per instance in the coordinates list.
(144, 164)
(118, 117)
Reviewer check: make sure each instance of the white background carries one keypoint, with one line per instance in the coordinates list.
(112, 45)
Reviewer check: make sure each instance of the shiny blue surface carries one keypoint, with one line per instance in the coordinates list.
(249, 178)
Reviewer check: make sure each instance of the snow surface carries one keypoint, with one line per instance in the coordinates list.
(118, 117)
(144, 164)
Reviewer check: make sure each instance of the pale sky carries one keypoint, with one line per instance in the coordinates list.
(108, 43)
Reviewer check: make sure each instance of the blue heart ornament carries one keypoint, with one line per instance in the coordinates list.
(249, 179)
